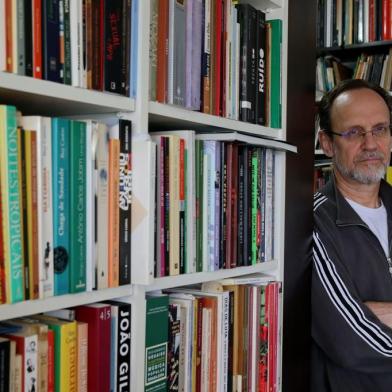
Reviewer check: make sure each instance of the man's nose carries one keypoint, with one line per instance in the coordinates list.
(369, 141)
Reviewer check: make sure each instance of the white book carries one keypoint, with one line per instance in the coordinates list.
(205, 350)
(143, 194)
(76, 30)
(91, 145)
(42, 126)
(3, 57)
(366, 21)
(102, 178)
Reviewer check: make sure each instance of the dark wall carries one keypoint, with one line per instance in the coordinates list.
(299, 194)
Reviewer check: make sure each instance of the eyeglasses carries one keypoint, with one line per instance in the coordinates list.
(357, 134)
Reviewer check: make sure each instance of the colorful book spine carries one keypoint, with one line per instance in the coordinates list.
(125, 201)
(61, 203)
(156, 345)
(113, 208)
(275, 72)
(30, 156)
(11, 204)
(78, 206)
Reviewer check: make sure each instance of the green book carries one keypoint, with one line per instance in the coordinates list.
(78, 207)
(157, 316)
(275, 70)
(11, 214)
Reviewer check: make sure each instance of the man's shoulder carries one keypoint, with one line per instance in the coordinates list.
(324, 199)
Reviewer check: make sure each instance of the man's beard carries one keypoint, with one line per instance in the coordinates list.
(367, 175)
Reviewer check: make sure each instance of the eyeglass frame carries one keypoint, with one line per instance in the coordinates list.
(346, 134)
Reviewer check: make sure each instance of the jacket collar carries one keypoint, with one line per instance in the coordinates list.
(345, 214)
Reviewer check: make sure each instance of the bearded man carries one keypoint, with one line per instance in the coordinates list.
(352, 267)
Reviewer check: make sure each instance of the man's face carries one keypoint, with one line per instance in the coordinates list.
(365, 159)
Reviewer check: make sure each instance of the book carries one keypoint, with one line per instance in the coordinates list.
(125, 201)
(173, 349)
(78, 206)
(61, 204)
(120, 371)
(98, 318)
(101, 137)
(156, 345)
(7, 354)
(82, 356)
(12, 224)
(42, 127)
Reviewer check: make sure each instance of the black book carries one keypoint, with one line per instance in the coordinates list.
(166, 189)
(223, 206)
(125, 201)
(51, 41)
(247, 19)
(261, 68)
(28, 33)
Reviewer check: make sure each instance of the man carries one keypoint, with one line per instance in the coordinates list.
(352, 268)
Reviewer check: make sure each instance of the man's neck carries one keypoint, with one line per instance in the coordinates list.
(364, 194)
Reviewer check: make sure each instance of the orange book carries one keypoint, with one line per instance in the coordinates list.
(113, 211)
(37, 39)
(162, 50)
(8, 33)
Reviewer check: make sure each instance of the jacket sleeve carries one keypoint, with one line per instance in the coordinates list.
(343, 327)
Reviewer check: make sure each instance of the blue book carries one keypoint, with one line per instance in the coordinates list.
(134, 47)
(61, 203)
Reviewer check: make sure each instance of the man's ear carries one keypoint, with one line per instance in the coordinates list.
(326, 143)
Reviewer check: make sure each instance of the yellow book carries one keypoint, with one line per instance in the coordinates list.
(65, 357)
(389, 175)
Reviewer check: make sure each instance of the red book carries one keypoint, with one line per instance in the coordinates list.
(98, 318)
(372, 30)
(37, 39)
(162, 50)
(386, 20)
(50, 360)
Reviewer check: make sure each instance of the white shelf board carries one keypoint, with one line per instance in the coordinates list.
(264, 4)
(245, 138)
(26, 308)
(36, 96)
(164, 117)
(200, 277)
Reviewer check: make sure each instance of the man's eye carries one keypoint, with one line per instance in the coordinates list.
(380, 130)
(353, 132)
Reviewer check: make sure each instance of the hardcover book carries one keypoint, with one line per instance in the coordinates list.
(156, 345)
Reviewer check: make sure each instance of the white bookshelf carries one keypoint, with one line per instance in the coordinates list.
(34, 96)
(48, 98)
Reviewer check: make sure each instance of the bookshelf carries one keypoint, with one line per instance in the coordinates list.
(42, 97)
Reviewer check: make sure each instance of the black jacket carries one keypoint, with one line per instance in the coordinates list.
(352, 349)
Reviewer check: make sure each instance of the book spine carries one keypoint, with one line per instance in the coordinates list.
(75, 20)
(205, 62)
(32, 210)
(124, 348)
(162, 46)
(134, 37)
(61, 204)
(113, 207)
(261, 58)
(217, 204)
(125, 201)
(37, 39)
(153, 54)
(82, 356)
(11, 204)
(255, 172)
(78, 207)
(97, 37)
(199, 204)
(156, 343)
(50, 40)
(181, 222)
(51, 365)
(20, 38)
(275, 69)
(28, 33)
(113, 53)
(67, 44)
(3, 37)
(102, 168)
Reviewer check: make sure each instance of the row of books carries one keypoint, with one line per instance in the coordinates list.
(218, 58)
(222, 337)
(376, 68)
(347, 22)
(215, 203)
(83, 43)
(322, 174)
(86, 348)
(65, 199)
